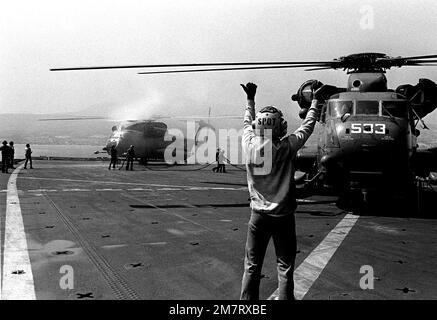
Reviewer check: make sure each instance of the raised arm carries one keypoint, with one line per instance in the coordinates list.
(298, 138)
(249, 114)
(301, 135)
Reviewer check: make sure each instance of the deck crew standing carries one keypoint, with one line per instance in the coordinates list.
(114, 157)
(28, 155)
(11, 154)
(221, 161)
(5, 149)
(271, 191)
(130, 155)
(216, 169)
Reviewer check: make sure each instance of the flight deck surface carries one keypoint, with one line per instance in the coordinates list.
(179, 233)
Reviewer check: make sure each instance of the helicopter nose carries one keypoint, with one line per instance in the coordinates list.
(111, 142)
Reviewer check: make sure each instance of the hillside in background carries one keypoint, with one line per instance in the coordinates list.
(25, 128)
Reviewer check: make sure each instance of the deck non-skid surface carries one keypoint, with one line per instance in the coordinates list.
(179, 233)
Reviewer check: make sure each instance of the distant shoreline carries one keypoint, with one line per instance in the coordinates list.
(56, 150)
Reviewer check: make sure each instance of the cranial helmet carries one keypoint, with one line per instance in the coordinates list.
(270, 118)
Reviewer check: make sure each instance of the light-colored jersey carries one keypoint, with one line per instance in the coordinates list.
(272, 191)
(221, 157)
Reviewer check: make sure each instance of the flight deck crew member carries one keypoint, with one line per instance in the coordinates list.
(114, 157)
(130, 158)
(271, 193)
(11, 155)
(216, 169)
(221, 161)
(28, 156)
(5, 156)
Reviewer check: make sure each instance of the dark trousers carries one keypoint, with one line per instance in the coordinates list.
(11, 162)
(28, 159)
(216, 169)
(129, 162)
(261, 228)
(113, 163)
(5, 164)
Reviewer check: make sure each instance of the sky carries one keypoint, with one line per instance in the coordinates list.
(43, 34)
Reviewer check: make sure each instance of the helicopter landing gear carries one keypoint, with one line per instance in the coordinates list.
(311, 183)
(364, 194)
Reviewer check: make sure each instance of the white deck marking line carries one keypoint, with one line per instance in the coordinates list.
(107, 182)
(137, 184)
(40, 190)
(122, 245)
(162, 243)
(17, 272)
(311, 268)
(169, 212)
(130, 189)
(1, 256)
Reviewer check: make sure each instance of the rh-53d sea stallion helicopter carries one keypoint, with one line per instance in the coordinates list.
(367, 135)
(151, 137)
(367, 138)
(148, 137)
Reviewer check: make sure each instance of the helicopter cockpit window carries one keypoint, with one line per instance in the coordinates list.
(364, 107)
(160, 126)
(396, 109)
(338, 109)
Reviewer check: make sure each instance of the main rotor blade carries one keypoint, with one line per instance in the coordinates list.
(417, 63)
(207, 117)
(192, 65)
(229, 69)
(421, 65)
(322, 68)
(416, 57)
(420, 61)
(76, 118)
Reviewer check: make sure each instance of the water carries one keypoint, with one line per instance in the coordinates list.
(74, 151)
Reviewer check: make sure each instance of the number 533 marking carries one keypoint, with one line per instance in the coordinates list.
(378, 128)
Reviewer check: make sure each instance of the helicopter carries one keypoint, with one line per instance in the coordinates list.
(147, 136)
(367, 138)
(152, 137)
(367, 133)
